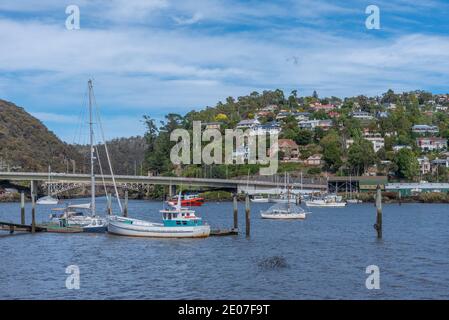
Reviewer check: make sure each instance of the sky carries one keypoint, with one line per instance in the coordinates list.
(152, 57)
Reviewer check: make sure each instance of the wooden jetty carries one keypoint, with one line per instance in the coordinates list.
(224, 232)
(11, 227)
(17, 227)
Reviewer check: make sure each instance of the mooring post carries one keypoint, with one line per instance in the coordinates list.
(399, 197)
(125, 208)
(236, 221)
(22, 208)
(247, 214)
(109, 204)
(378, 225)
(33, 208)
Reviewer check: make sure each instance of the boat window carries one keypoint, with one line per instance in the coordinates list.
(184, 222)
(178, 222)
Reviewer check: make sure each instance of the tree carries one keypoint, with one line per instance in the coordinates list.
(332, 151)
(407, 164)
(304, 137)
(361, 155)
(315, 94)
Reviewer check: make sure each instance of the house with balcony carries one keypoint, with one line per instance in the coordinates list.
(424, 128)
(431, 143)
(247, 124)
(377, 141)
(269, 128)
(361, 115)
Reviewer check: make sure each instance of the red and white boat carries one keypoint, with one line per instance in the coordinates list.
(188, 200)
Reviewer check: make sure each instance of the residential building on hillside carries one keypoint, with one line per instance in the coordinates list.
(249, 123)
(361, 115)
(314, 160)
(424, 128)
(289, 149)
(269, 128)
(377, 141)
(424, 165)
(431, 143)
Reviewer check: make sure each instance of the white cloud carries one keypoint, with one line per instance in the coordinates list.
(144, 69)
(188, 21)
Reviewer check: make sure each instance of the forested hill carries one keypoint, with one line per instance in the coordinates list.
(27, 145)
(127, 155)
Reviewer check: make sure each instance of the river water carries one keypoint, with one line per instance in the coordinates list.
(325, 257)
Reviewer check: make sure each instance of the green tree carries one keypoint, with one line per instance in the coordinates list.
(332, 151)
(407, 164)
(361, 155)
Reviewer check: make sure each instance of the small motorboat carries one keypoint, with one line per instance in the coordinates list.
(354, 201)
(47, 200)
(259, 199)
(284, 211)
(188, 200)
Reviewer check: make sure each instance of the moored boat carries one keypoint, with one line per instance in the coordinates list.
(178, 222)
(330, 201)
(284, 211)
(188, 200)
(47, 200)
(259, 199)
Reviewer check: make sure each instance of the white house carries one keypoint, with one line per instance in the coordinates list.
(249, 123)
(431, 143)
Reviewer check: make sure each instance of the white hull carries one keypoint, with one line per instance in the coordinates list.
(265, 200)
(141, 228)
(47, 201)
(324, 204)
(354, 201)
(283, 216)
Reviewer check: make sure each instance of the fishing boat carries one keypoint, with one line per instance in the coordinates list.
(259, 199)
(188, 200)
(178, 222)
(48, 199)
(330, 201)
(284, 211)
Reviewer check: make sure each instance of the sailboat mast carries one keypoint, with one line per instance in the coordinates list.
(49, 181)
(91, 128)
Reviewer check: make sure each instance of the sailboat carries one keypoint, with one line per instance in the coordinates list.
(73, 216)
(48, 199)
(178, 222)
(284, 211)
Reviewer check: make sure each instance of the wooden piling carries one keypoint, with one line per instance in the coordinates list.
(399, 197)
(378, 225)
(33, 208)
(109, 204)
(22, 208)
(236, 221)
(248, 216)
(125, 208)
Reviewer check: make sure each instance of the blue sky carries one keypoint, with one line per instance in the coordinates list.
(158, 56)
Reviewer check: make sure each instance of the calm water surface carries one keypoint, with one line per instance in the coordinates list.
(326, 256)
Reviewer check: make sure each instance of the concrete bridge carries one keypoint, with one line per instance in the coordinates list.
(251, 186)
